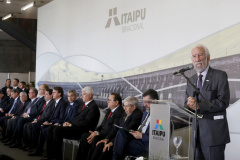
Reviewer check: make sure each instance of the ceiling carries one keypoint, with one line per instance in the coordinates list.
(15, 8)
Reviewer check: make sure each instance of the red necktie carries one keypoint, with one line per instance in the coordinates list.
(42, 110)
(18, 109)
(109, 115)
(83, 106)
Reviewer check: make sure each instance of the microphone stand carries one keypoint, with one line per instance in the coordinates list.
(196, 94)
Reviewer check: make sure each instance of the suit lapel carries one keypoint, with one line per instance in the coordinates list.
(207, 80)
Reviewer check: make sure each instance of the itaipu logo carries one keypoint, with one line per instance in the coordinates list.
(127, 18)
(158, 129)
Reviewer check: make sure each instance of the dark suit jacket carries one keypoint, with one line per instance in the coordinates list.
(132, 122)
(71, 113)
(87, 118)
(58, 112)
(212, 129)
(18, 102)
(33, 106)
(21, 109)
(7, 105)
(36, 109)
(47, 112)
(145, 136)
(4, 90)
(106, 129)
(4, 100)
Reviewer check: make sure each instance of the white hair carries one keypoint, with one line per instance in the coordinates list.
(88, 90)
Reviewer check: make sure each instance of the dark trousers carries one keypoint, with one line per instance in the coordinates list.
(58, 133)
(18, 132)
(85, 150)
(126, 144)
(210, 152)
(4, 126)
(100, 155)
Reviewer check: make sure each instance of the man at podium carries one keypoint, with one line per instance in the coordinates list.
(212, 129)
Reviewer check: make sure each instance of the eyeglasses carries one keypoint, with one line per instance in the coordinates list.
(110, 100)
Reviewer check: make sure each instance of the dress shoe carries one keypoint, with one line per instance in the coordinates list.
(6, 140)
(45, 158)
(15, 145)
(23, 147)
(27, 148)
(31, 150)
(35, 153)
(9, 143)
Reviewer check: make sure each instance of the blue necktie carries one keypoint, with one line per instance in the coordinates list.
(200, 82)
(12, 106)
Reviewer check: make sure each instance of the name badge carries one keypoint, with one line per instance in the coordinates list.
(218, 117)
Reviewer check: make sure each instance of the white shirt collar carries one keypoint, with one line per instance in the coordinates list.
(114, 109)
(58, 100)
(88, 103)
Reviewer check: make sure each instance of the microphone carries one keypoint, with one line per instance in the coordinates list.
(190, 67)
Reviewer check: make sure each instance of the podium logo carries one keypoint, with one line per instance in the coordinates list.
(125, 18)
(158, 129)
(159, 123)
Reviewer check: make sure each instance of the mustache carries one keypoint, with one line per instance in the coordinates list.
(198, 63)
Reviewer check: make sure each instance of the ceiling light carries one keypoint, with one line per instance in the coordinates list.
(27, 6)
(8, 1)
(7, 16)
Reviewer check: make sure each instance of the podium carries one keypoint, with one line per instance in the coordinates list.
(169, 120)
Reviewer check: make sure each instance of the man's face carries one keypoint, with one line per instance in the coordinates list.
(56, 95)
(111, 103)
(71, 97)
(14, 95)
(47, 96)
(8, 82)
(85, 96)
(21, 86)
(8, 92)
(128, 109)
(15, 83)
(31, 94)
(23, 98)
(199, 59)
(41, 90)
(147, 102)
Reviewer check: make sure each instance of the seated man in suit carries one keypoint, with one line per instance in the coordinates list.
(59, 108)
(31, 111)
(7, 125)
(86, 119)
(3, 100)
(7, 106)
(135, 143)
(22, 86)
(105, 130)
(7, 85)
(69, 114)
(15, 84)
(31, 130)
(130, 120)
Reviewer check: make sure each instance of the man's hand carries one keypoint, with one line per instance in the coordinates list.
(55, 124)
(67, 124)
(92, 135)
(35, 121)
(47, 123)
(105, 141)
(1, 110)
(136, 134)
(25, 115)
(192, 103)
(107, 146)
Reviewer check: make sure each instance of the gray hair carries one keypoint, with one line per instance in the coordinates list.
(204, 47)
(88, 90)
(23, 93)
(133, 101)
(73, 91)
